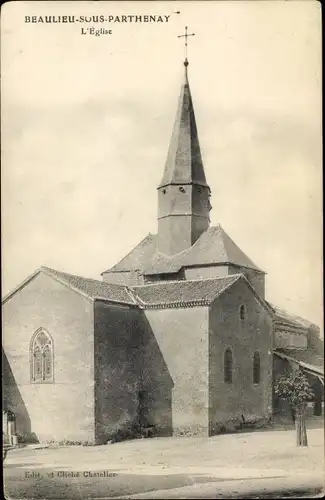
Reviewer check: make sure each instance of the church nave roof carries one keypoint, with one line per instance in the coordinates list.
(214, 246)
(183, 293)
(92, 288)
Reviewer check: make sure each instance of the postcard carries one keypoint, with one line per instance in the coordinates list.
(162, 249)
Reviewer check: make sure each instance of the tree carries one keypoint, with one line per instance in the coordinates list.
(294, 388)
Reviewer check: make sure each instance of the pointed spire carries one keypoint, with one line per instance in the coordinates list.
(184, 161)
(183, 194)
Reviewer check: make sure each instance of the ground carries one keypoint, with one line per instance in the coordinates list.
(255, 464)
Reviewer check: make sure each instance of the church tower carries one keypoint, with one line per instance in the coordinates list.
(186, 247)
(183, 193)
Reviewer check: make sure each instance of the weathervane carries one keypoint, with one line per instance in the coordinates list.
(186, 35)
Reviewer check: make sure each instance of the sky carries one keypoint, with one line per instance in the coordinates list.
(86, 122)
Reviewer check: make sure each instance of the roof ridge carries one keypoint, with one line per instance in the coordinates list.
(20, 285)
(51, 269)
(64, 281)
(65, 278)
(101, 282)
(212, 229)
(213, 247)
(173, 296)
(237, 277)
(224, 236)
(261, 300)
(188, 249)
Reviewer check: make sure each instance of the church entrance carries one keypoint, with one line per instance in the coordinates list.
(9, 436)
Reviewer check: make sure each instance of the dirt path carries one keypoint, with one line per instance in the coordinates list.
(230, 466)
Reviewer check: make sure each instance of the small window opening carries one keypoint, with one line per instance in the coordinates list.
(228, 366)
(256, 368)
(242, 312)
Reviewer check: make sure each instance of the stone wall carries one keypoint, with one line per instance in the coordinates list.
(182, 342)
(287, 337)
(118, 340)
(128, 362)
(255, 278)
(243, 338)
(63, 409)
(197, 272)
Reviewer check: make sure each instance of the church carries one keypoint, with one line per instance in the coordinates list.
(180, 327)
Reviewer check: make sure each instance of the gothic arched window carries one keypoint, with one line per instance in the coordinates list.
(256, 368)
(227, 366)
(41, 352)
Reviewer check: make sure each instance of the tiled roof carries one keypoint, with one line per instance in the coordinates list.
(137, 258)
(213, 247)
(283, 316)
(93, 288)
(183, 293)
(168, 294)
(306, 356)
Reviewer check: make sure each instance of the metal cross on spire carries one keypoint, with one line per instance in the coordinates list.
(186, 35)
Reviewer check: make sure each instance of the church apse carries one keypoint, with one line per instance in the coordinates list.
(242, 324)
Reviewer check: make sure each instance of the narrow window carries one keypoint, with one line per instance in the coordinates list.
(242, 312)
(256, 368)
(41, 357)
(228, 366)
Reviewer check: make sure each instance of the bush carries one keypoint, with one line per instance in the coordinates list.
(256, 422)
(28, 438)
(190, 431)
(133, 430)
(236, 424)
(184, 432)
(69, 442)
(218, 428)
